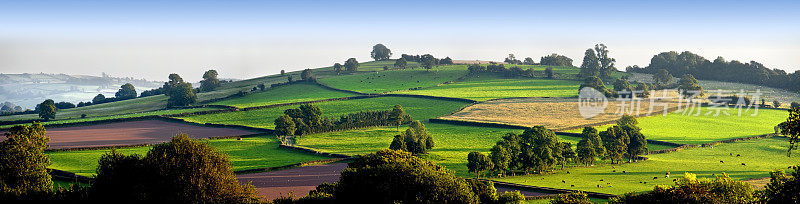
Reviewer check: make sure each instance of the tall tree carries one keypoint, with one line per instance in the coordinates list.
(351, 65)
(210, 81)
(615, 140)
(415, 139)
(428, 61)
(47, 109)
(126, 91)
(586, 152)
(539, 148)
(180, 93)
(606, 62)
(556, 60)
(689, 86)
(591, 65)
(397, 115)
(566, 153)
(284, 125)
(478, 162)
(380, 52)
(23, 163)
(791, 128)
(592, 135)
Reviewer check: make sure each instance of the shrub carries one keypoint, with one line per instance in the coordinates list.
(23, 163)
(571, 198)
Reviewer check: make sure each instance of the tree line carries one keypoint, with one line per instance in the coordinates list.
(550, 60)
(514, 71)
(309, 119)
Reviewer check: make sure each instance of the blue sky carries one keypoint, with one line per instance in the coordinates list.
(244, 39)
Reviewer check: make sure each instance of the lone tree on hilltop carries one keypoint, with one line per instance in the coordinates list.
(47, 109)
(307, 75)
(126, 91)
(478, 162)
(337, 68)
(210, 81)
(380, 52)
(351, 65)
(180, 93)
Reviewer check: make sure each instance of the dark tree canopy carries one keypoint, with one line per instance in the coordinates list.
(337, 68)
(307, 75)
(100, 98)
(528, 61)
(689, 86)
(556, 60)
(284, 125)
(126, 91)
(591, 65)
(47, 109)
(210, 81)
(180, 93)
(446, 61)
(662, 76)
(428, 61)
(23, 163)
(351, 65)
(380, 52)
(401, 63)
(415, 139)
(597, 84)
(478, 162)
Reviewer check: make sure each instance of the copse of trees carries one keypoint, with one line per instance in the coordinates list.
(390, 176)
(428, 61)
(64, 105)
(597, 84)
(662, 77)
(528, 61)
(402, 63)
(125, 92)
(515, 71)
(511, 59)
(690, 189)
(415, 139)
(46, 110)
(380, 52)
(307, 75)
(210, 81)
(537, 149)
(309, 118)
(338, 68)
(689, 86)
(180, 93)
(351, 65)
(596, 62)
(556, 60)
(478, 162)
(446, 61)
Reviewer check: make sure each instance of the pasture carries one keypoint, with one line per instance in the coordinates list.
(249, 153)
(686, 128)
(132, 115)
(487, 87)
(759, 156)
(395, 80)
(299, 92)
(452, 142)
(419, 108)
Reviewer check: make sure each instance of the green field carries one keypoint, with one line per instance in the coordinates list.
(453, 142)
(419, 108)
(133, 115)
(492, 86)
(394, 80)
(285, 94)
(689, 129)
(760, 156)
(249, 153)
(378, 65)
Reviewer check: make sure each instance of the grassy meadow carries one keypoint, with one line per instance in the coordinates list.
(687, 128)
(249, 153)
(419, 108)
(132, 115)
(284, 94)
(759, 156)
(395, 80)
(487, 87)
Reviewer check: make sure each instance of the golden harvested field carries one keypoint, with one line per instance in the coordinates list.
(553, 113)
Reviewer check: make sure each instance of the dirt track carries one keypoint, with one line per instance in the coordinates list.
(131, 133)
(298, 180)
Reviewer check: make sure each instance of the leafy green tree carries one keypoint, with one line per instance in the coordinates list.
(776, 103)
(337, 68)
(511, 59)
(782, 188)
(586, 153)
(380, 52)
(627, 120)
(791, 129)
(622, 88)
(556, 60)
(183, 169)
(401, 63)
(446, 61)
(351, 65)
(511, 197)
(566, 153)
(539, 148)
(389, 176)
(307, 75)
(591, 65)
(690, 189)
(615, 140)
(126, 91)
(662, 77)
(210, 81)
(180, 93)
(689, 84)
(606, 62)
(642, 89)
(593, 136)
(484, 190)
(428, 61)
(312, 115)
(415, 139)
(501, 158)
(478, 162)
(528, 61)
(548, 72)
(284, 125)
(100, 98)
(397, 115)
(283, 72)
(46, 110)
(597, 84)
(571, 198)
(23, 163)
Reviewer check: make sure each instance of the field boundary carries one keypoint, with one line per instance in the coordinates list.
(547, 189)
(69, 176)
(289, 166)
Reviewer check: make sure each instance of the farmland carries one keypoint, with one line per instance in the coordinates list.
(249, 153)
(298, 92)
(418, 108)
(395, 80)
(701, 161)
(132, 115)
(487, 87)
(453, 142)
(683, 128)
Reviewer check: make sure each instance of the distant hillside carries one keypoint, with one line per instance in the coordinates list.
(27, 90)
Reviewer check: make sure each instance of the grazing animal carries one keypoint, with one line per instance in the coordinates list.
(655, 177)
(571, 185)
(623, 172)
(562, 181)
(738, 155)
(744, 164)
(601, 179)
(645, 182)
(613, 170)
(567, 172)
(673, 180)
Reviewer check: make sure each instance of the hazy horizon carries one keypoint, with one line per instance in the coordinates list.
(247, 39)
